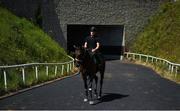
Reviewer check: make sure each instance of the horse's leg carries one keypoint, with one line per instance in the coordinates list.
(90, 90)
(101, 83)
(96, 82)
(86, 88)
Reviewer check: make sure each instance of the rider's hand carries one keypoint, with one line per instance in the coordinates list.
(85, 47)
(93, 50)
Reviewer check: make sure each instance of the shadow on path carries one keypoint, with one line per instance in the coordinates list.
(107, 97)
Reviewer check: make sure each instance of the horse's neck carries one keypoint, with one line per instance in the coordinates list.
(88, 65)
(87, 60)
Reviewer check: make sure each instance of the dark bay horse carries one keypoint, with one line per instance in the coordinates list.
(88, 70)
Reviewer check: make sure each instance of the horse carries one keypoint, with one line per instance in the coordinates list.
(88, 70)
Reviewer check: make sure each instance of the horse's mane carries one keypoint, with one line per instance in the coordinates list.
(87, 55)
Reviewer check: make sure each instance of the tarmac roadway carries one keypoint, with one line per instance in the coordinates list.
(126, 87)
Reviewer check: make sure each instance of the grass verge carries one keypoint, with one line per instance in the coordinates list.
(160, 68)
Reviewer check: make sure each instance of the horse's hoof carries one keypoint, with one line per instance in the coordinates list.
(85, 99)
(99, 97)
(91, 102)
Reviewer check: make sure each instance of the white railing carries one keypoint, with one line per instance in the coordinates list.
(65, 67)
(169, 66)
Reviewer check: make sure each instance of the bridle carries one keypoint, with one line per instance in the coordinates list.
(78, 60)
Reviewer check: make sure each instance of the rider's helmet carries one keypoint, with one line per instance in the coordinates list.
(93, 29)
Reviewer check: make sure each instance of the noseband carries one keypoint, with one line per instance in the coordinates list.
(80, 61)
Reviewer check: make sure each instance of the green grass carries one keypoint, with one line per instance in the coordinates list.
(161, 68)
(23, 42)
(161, 37)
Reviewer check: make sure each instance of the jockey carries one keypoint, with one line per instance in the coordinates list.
(93, 44)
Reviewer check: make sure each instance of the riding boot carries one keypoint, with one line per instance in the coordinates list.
(93, 56)
(98, 59)
(94, 59)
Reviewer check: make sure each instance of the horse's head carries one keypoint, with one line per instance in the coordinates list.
(79, 55)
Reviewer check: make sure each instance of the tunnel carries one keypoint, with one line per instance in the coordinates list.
(111, 38)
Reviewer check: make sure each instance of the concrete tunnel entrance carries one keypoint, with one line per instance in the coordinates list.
(111, 37)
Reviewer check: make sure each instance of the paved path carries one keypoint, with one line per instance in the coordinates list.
(126, 86)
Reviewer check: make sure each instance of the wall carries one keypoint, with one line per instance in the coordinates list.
(134, 14)
(56, 14)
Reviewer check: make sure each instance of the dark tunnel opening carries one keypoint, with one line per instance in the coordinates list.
(111, 37)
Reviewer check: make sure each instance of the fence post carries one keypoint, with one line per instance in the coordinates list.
(62, 70)
(134, 56)
(140, 57)
(70, 67)
(36, 72)
(146, 58)
(167, 66)
(73, 65)
(67, 68)
(172, 68)
(55, 71)
(176, 71)
(23, 74)
(156, 62)
(127, 55)
(47, 70)
(5, 80)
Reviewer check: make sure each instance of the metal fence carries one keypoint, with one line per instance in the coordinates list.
(173, 68)
(65, 67)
